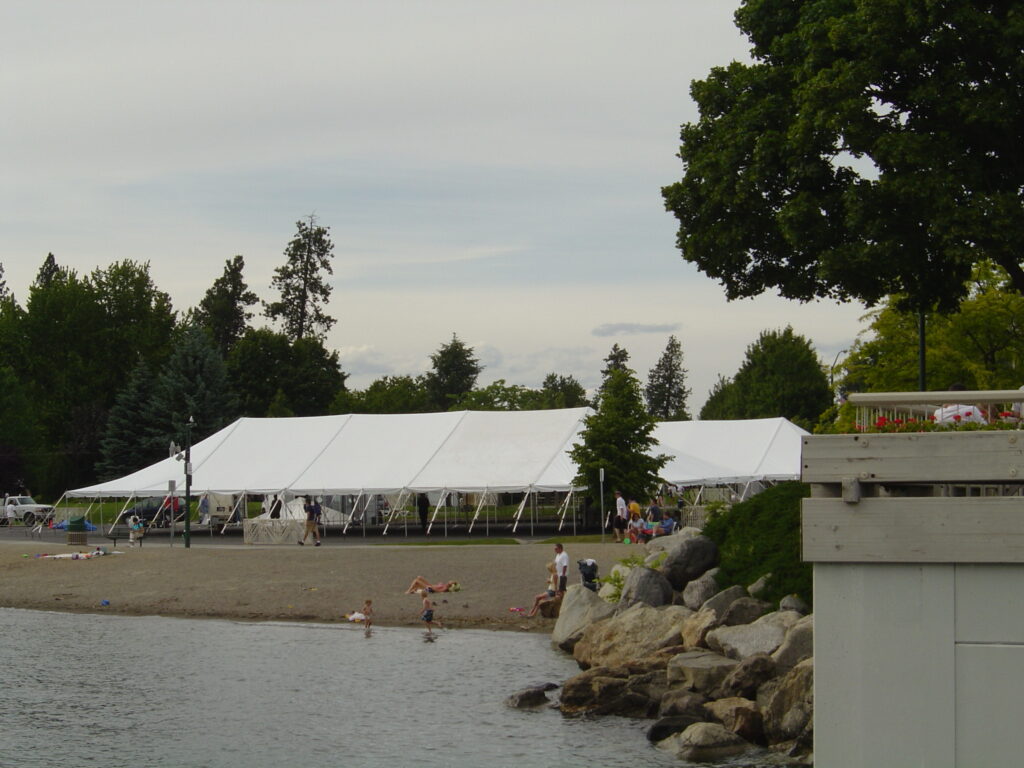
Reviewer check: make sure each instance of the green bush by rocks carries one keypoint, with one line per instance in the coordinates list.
(762, 536)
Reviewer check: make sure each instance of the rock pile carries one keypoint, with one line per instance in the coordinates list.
(718, 671)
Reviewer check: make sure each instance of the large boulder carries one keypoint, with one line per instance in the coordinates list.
(710, 615)
(739, 715)
(763, 636)
(747, 676)
(789, 708)
(530, 697)
(689, 560)
(760, 587)
(705, 742)
(680, 702)
(798, 645)
(585, 690)
(699, 591)
(644, 585)
(668, 543)
(744, 611)
(669, 726)
(580, 608)
(794, 603)
(631, 635)
(701, 671)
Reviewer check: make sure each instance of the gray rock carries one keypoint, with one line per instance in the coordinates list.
(794, 603)
(585, 690)
(689, 561)
(644, 585)
(701, 671)
(631, 635)
(720, 602)
(798, 645)
(668, 543)
(528, 698)
(668, 726)
(763, 636)
(678, 702)
(790, 707)
(739, 715)
(744, 611)
(705, 742)
(580, 608)
(699, 591)
(747, 676)
(759, 587)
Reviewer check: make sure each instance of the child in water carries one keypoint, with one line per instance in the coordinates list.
(427, 617)
(367, 612)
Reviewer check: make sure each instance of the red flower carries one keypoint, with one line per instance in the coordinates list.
(956, 416)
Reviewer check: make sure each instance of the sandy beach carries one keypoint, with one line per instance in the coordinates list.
(260, 583)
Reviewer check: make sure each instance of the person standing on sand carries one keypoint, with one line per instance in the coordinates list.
(621, 515)
(561, 568)
(367, 612)
(312, 520)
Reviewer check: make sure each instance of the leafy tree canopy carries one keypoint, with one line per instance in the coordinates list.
(300, 281)
(389, 394)
(979, 345)
(871, 148)
(780, 376)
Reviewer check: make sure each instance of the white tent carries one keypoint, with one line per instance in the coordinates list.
(465, 451)
(725, 452)
(364, 453)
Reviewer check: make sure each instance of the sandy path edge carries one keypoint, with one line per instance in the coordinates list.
(290, 583)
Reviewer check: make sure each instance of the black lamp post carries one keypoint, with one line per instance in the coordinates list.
(188, 480)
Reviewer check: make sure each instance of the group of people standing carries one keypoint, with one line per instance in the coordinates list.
(632, 525)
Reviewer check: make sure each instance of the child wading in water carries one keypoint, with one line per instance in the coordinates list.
(367, 612)
(427, 617)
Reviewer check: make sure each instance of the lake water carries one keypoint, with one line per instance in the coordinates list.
(98, 690)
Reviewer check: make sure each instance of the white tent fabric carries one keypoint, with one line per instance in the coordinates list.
(372, 453)
(466, 451)
(723, 452)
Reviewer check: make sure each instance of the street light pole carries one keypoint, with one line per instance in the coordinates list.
(188, 480)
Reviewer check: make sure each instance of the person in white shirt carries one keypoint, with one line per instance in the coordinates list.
(621, 518)
(958, 413)
(561, 568)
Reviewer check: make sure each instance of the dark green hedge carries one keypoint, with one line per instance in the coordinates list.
(762, 535)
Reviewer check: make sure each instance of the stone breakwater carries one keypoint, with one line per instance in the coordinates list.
(718, 672)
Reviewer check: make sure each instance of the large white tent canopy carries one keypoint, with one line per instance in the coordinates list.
(725, 452)
(465, 451)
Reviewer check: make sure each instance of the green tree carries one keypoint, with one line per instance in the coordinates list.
(127, 443)
(300, 281)
(19, 439)
(389, 394)
(224, 310)
(559, 391)
(780, 376)
(981, 344)
(618, 437)
(264, 363)
(5, 293)
(666, 390)
(870, 148)
(616, 360)
(498, 396)
(454, 374)
(194, 384)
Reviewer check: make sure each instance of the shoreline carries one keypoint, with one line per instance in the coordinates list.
(281, 583)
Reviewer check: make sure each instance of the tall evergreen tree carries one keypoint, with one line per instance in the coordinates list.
(224, 310)
(616, 360)
(619, 437)
(559, 391)
(300, 280)
(127, 444)
(666, 390)
(193, 384)
(455, 370)
(4, 292)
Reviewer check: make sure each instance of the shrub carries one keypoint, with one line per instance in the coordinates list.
(760, 536)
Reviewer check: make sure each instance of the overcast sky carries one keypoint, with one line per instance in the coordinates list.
(489, 169)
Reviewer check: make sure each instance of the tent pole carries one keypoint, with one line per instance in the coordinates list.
(483, 497)
(519, 512)
(562, 509)
(440, 501)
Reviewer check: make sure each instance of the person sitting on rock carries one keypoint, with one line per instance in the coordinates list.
(548, 594)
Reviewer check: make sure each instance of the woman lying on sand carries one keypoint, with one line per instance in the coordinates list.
(420, 583)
